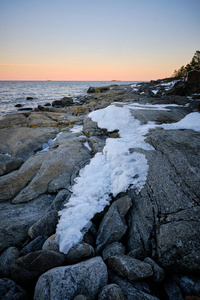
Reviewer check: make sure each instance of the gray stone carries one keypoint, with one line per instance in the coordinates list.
(66, 101)
(16, 220)
(21, 141)
(158, 272)
(163, 220)
(10, 290)
(113, 249)
(189, 285)
(78, 253)
(6, 260)
(46, 172)
(113, 225)
(97, 143)
(91, 128)
(34, 245)
(129, 267)
(9, 163)
(46, 225)
(51, 243)
(34, 264)
(86, 278)
(111, 292)
(137, 290)
(172, 290)
(81, 297)
(62, 196)
(137, 253)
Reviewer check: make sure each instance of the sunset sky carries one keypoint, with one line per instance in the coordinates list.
(96, 40)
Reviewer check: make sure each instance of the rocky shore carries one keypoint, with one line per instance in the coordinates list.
(143, 245)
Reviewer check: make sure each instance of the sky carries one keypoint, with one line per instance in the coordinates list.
(96, 40)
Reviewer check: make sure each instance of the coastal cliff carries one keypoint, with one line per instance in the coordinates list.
(100, 199)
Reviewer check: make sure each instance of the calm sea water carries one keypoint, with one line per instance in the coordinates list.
(16, 92)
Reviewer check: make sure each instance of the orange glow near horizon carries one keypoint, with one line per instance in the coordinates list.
(102, 71)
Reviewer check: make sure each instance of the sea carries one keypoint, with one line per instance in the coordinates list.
(14, 93)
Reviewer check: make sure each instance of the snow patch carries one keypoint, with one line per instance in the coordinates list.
(113, 170)
(110, 172)
(190, 121)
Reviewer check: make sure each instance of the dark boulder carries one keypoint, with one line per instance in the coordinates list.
(193, 77)
(34, 264)
(181, 88)
(66, 101)
(10, 290)
(98, 89)
(9, 163)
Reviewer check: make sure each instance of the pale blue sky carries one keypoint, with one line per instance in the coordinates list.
(97, 39)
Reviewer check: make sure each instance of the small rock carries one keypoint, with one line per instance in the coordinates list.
(66, 101)
(86, 278)
(189, 285)
(29, 98)
(18, 105)
(34, 264)
(111, 292)
(113, 249)
(136, 253)
(51, 243)
(44, 226)
(78, 253)
(113, 225)
(129, 267)
(34, 245)
(9, 163)
(7, 258)
(172, 290)
(81, 297)
(98, 89)
(10, 290)
(137, 290)
(62, 196)
(47, 104)
(158, 272)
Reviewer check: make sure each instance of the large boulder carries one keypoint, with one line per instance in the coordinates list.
(181, 88)
(17, 219)
(9, 163)
(163, 219)
(46, 172)
(98, 89)
(86, 278)
(113, 225)
(66, 101)
(193, 77)
(130, 268)
(6, 259)
(45, 225)
(10, 290)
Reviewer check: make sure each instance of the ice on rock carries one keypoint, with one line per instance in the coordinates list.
(111, 171)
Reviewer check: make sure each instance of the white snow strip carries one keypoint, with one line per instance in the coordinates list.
(112, 171)
(191, 121)
(109, 172)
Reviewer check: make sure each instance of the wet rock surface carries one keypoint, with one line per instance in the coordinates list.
(149, 241)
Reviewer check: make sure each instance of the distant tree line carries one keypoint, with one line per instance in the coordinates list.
(194, 64)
